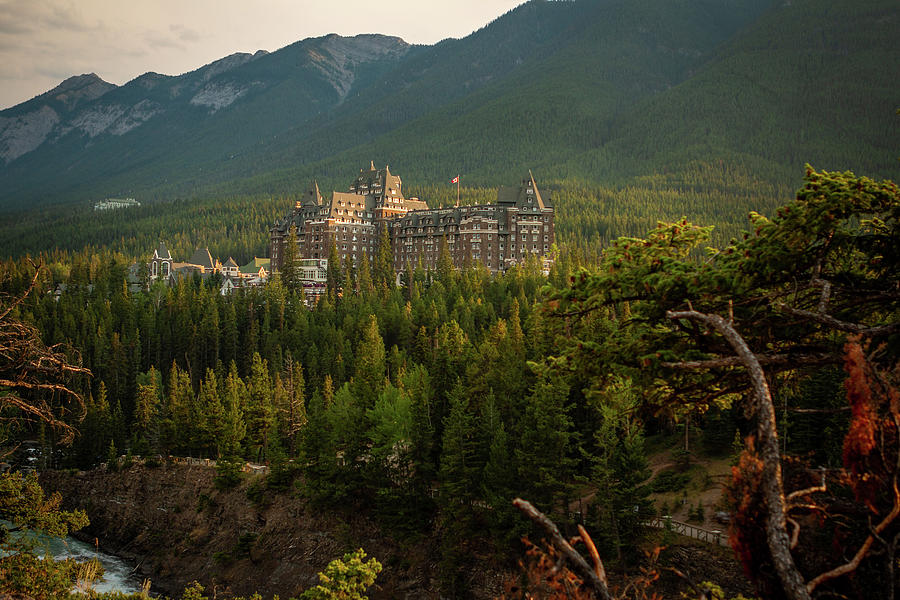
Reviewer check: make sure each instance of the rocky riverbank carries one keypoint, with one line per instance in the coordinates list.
(177, 527)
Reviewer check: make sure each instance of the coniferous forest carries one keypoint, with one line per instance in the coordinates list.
(711, 301)
(434, 403)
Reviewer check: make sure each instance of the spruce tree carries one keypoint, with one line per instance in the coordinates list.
(177, 413)
(290, 277)
(295, 415)
(543, 455)
(383, 274)
(259, 414)
(236, 400)
(620, 470)
(334, 281)
(460, 480)
(147, 409)
(366, 287)
(211, 414)
(369, 375)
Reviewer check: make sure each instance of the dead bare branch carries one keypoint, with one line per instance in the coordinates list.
(34, 376)
(852, 565)
(810, 490)
(764, 359)
(581, 567)
(595, 556)
(825, 319)
(776, 526)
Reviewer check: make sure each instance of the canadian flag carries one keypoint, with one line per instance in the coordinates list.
(455, 179)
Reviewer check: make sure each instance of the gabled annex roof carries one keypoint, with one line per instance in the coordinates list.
(162, 252)
(203, 258)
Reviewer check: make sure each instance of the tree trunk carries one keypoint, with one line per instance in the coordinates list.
(776, 527)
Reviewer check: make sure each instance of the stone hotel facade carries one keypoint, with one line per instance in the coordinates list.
(499, 235)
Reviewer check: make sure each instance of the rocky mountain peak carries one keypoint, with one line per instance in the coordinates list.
(338, 57)
(80, 88)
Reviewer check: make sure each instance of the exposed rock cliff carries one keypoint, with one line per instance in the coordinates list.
(174, 523)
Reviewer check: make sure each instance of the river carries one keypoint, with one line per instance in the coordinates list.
(117, 575)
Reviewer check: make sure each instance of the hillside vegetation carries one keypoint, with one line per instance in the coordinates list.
(600, 92)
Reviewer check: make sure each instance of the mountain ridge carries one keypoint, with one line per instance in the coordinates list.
(601, 90)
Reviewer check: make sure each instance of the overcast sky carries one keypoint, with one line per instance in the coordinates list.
(43, 42)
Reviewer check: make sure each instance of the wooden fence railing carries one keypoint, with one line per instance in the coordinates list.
(698, 533)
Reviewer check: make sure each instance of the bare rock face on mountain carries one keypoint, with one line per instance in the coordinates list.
(339, 58)
(22, 134)
(86, 112)
(79, 89)
(28, 125)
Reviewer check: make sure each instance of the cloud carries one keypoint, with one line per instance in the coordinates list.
(15, 17)
(185, 34)
(156, 40)
(68, 17)
(55, 39)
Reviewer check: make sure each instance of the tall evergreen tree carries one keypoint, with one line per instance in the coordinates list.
(383, 273)
(370, 371)
(211, 414)
(543, 456)
(259, 413)
(365, 284)
(147, 412)
(294, 410)
(620, 470)
(334, 282)
(290, 277)
(177, 413)
(236, 400)
(460, 479)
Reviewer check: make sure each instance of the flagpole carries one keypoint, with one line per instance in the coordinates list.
(457, 190)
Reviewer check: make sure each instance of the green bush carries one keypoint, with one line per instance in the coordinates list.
(345, 579)
(228, 474)
(669, 481)
(28, 575)
(244, 545)
(282, 475)
(256, 492)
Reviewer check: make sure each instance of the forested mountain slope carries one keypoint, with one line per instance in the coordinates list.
(547, 86)
(808, 82)
(627, 114)
(157, 128)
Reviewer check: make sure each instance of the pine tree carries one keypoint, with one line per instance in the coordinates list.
(383, 273)
(545, 467)
(295, 408)
(500, 483)
(236, 399)
(147, 409)
(318, 451)
(460, 479)
(620, 470)
(211, 413)
(334, 281)
(416, 385)
(369, 375)
(176, 421)
(366, 287)
(445, 263)
(259, 413)
(290, 277)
